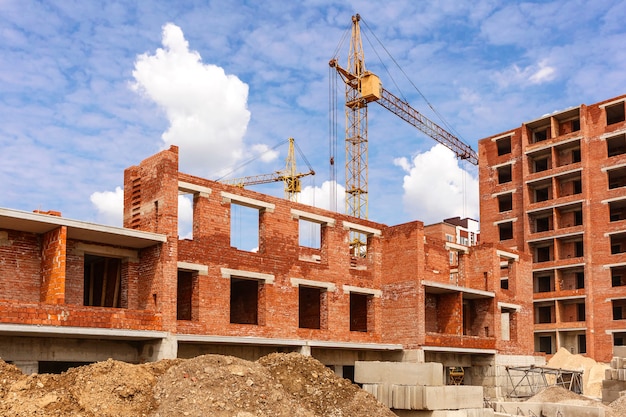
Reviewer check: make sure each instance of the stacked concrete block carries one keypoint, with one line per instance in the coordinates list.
(615, 377)
(513, 409)
(417, 390)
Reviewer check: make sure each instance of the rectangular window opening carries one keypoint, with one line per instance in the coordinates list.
(244, 301)
(541, 164)
(619, 309)
(504, 174)
(544, 314)
(103, 283)
(541, 134)
(616, 145)
(617, 210)
(505, 202)
(184, 295)
(506, 230)
(310, 307)
(618, 243)
(310, 234)
(617, 178)
(542, 194)
(504, 146)
(545, 283)
(185, 216)
(359, 312)
(542, 254)
(545, 344)
(244, 227)
(618, 276)
(615, 113)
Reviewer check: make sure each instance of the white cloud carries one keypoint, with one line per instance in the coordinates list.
(538, 73)
(206, 108)
(321, 196)
(110, 206)
(185, 217)
(436, 187)
(265, 153)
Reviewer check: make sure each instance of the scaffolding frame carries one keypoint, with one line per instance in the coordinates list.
(535, 378)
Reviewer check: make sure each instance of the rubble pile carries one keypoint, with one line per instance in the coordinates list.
(278, 385)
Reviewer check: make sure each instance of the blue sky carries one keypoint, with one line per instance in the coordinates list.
(88, 88)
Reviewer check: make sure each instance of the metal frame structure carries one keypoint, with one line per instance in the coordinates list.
(536, 378)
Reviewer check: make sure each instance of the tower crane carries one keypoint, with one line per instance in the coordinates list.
(288, 176)
(363, 87)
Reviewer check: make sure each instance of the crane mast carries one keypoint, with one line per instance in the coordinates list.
(361, 88)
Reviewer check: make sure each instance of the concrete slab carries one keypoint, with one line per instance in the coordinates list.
(382, 392)
(619, 351)
(477, 412)
(547, 409)
(400, 373)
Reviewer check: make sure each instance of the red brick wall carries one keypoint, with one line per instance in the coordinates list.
(20, 267)
(53, 249)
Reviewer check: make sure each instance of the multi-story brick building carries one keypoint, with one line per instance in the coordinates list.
(77, 292)
(554, 188)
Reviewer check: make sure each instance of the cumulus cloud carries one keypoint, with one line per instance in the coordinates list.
(321, 196)
(110, 206)
(538, 73)
(206, 108)
(436, 187)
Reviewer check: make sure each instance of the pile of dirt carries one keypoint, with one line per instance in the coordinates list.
(278, 385)
(593, 372)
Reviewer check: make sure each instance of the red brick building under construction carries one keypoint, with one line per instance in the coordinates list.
(555, 188)
(74, 292)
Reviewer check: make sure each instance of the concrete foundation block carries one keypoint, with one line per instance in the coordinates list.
(557, 410)
(407, 397)
(399, 373)
(452, 397)
(382, 392)
(619, 351)
(607, 374)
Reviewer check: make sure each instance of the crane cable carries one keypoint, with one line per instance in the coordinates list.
(443, 121)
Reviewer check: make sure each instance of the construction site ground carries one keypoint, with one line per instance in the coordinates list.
(277, 385)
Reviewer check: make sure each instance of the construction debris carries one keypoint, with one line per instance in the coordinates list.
(593, 372)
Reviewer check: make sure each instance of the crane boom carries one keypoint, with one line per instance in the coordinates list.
(363, 87)
(288, 176)
(403, 110)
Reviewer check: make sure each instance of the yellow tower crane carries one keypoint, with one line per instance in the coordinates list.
(288, 176)
(363, 87)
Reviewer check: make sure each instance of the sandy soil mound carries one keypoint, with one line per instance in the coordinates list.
(593, 372)
(277, 385)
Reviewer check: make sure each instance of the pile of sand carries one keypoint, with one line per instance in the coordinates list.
(593, 372)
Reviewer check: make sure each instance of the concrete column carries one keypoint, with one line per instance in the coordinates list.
(27, 367)
(305, 350)
(166, 348)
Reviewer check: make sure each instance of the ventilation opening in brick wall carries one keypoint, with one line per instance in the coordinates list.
(103, 284)
(244, 227)
(245, 295)
(311, 308)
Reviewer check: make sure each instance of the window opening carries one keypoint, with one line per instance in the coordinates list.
(580, 312)
(310, 307)
(506, 230)
(505, 202)
(543, 254)
(544, 283)
(185, 216)
(244, 301)
(544, 314)
(616, 145)
(310, 234)
(542, 224)
(542, 194)
(579, 249)
(541, 134)
(617, 178)
(618, 243)
(358, 312)
(184, 295)
(615, 113)
(582, 343)
(617, 210)
(504, 174)
(618, 276)
(576, 156)
(541, 164)
(578, 217)
(103, 281)
(504, 146)
(580, 280)
(545, 344)
(619, 309)
(244, 227)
